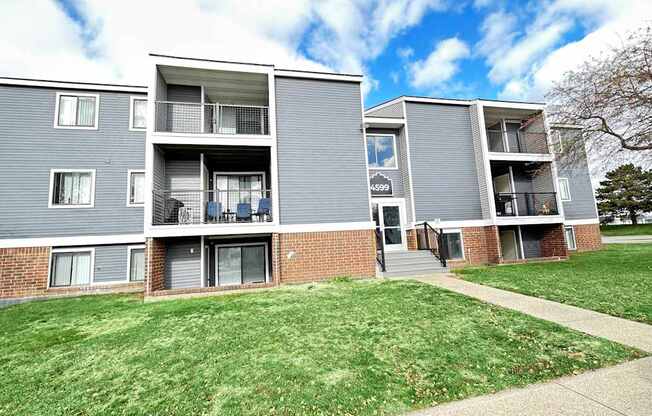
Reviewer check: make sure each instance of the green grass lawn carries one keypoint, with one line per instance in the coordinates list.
(616, 280)
(371, 347)
(617, 230)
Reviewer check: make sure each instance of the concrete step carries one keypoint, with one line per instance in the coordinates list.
(413, 272)
(417, 260)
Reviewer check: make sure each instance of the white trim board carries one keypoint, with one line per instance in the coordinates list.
(316, 75)
(72, 241)
(72, 85)
(587, 221)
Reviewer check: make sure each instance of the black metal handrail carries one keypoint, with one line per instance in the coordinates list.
(526, 204)
(433, 241)
(380, 250)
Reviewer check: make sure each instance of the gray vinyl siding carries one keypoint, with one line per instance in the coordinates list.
(182, 174)
(445, 179)
(182, 268)
(392, 111)
(184, 93)
(110, 262)
(483, 190)
(394, 174)
(531, 242)
(321, 153)
(582, 204)
(30, 146)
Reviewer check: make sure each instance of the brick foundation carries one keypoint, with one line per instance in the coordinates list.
(24, 271)
(24, 274)
(307, 257)
(411, 237)
(553, 243)
(588, 237)
(481, 246)
(154, 265)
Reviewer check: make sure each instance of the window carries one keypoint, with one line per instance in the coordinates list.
(564, 189)
(557, 145)
(453, 242)
(136, 188)
(569, 232)
(381, 152)
(74, 188)
(243, 264)
(71, 267)
(136, 263)
(138, 113)
(76, 111)
(240, 187)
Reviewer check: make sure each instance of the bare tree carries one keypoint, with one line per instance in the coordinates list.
(610, 96)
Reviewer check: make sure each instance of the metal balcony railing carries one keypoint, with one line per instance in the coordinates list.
(517, 141)
(180, 207)
(197, 118)
(526, 204)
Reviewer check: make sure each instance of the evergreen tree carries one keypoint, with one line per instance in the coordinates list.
(626, 190)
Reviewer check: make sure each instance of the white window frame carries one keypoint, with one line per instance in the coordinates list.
(570, 227)
(91, 279)
(561, 194)
(366, 143)
(131, 112)
(456, 231)
(77, 94)
(51, 191)
(129, 203)
(129, 250)
(266, 260)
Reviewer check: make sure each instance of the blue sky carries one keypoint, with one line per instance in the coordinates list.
(448, 48)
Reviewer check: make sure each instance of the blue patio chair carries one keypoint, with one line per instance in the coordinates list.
(243, 212)
(213, 210)
(264, 208)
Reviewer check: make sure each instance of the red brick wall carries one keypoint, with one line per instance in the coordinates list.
(411, 237)
(154, 265)
(587, 237)
(481, 246)
(553, 243)
(23, 271)
(307, 257)
(276, 259)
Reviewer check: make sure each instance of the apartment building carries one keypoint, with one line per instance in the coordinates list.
(221, 175)
(476, 181)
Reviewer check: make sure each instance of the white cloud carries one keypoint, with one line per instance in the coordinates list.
(405, 53)
(440, 66)
(113, 42)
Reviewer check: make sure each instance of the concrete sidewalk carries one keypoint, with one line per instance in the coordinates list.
(626, 332)
(628, 239)
(625, 389)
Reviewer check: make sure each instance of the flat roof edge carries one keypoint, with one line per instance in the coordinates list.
(78, 85)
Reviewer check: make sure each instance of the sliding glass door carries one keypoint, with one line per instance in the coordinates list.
(239, 188)
(236, 265)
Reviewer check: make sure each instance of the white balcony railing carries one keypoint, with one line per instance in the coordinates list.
(197, 118)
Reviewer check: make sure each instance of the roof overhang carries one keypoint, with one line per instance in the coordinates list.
(383, 122)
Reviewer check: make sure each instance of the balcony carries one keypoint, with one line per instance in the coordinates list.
(211, 118)
(517, 141)
(515, 131)
(193, 207)
(526, 204)
(197, 101)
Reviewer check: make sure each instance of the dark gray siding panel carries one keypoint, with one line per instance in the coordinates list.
(183, 268)
(582, 204)
(321, 153)
(30, 147)
(110, 263)
(445, 179)
(184, 93)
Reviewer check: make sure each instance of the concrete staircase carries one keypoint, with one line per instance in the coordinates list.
(411, 263)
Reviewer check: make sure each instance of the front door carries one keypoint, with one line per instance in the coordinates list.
(389, 220)
(509, 244)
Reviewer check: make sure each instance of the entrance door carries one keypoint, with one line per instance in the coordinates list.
(509, 244)
(389, 219)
